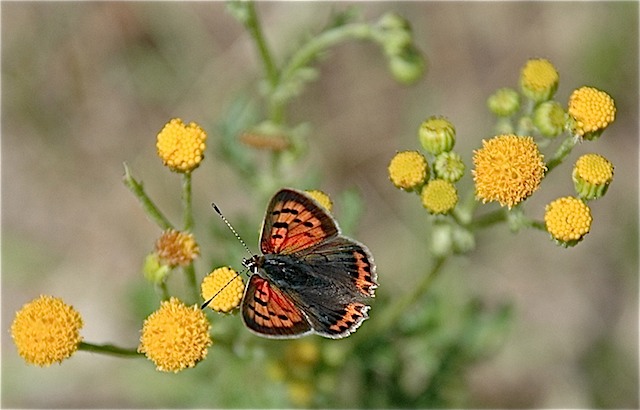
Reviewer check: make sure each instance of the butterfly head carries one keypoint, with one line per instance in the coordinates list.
(253, 263)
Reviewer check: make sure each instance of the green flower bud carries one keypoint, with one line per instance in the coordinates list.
(550, 119)
(437, 135)
(394, 33)
(504, 102)
(408, 66)
(449, 166)
(154, 271)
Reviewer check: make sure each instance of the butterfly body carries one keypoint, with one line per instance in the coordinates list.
(309, 278)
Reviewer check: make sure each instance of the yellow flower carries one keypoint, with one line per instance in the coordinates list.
(539, 80)
(322, 198)
(301, 393)
(177, 248)
(509, 169)
(568, 220)
(175, 336)
(181, 146)
(439, 196)
(303, 352)
(592, 175)
(46, 331)
(408, 170)
(591, 111)
(225, 286)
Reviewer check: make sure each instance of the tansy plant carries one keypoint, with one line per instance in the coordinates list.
(510, 166)
(177, 335)
(534, 134)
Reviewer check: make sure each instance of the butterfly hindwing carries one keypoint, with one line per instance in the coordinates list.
(294, 222)
(347, 272)
(269, 312)
(346, 262)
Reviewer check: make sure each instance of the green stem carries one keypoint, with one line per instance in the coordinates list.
(149, 207)
(190, 273)
(165, 290)
(563, 150)
(108, 349)
(187, 208)
(540, 225)
(403, 303)
(307, 53)
(489, 219)
(255, 29)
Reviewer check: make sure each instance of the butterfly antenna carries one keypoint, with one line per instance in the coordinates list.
(205, 304)
(231, 228)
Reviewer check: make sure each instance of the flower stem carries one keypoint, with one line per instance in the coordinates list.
(108, 349)
(252, 24)
(540, 225)
(164, 290)
(190, 272)
(187, 208)
(305, 54)
(149, 207)
(489, 219)
(562, 152)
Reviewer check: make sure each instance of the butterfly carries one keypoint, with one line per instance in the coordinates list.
(309, 279)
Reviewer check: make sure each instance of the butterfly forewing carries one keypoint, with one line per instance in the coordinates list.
(294, 222)
(269, 312)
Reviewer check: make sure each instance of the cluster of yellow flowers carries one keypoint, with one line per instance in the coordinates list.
(510, 167)
(174, 337)
(410, 171)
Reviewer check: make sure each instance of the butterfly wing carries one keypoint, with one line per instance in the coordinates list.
(344, 262)
(294, 222)
(270, 313)
(346, 270)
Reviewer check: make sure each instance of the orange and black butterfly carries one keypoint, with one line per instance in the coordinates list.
(309, 278)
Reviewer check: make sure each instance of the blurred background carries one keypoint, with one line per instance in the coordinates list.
(87, 86)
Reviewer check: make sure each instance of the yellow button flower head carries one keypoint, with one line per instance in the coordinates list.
(439, 196)
(590, 111)
(592, 175)
(181, 147)
(176, 248)
(568, 220)
(509, 169)
(46, 331)
(322, 198)
(175, 336)
(408, 170)
(539, 80)
(227, 287)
